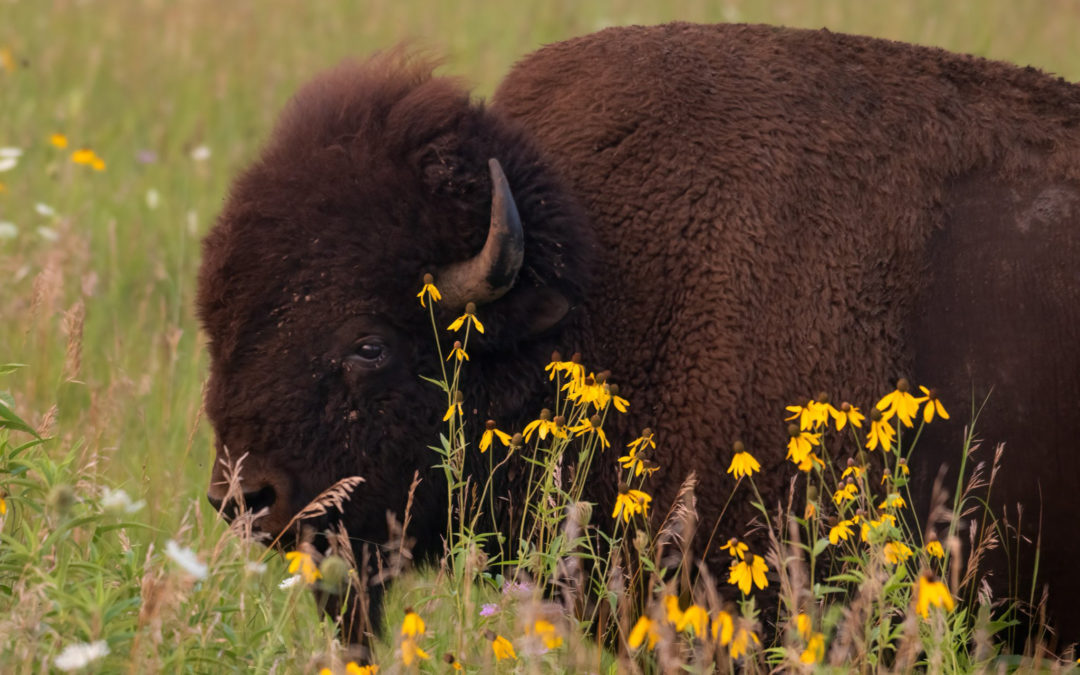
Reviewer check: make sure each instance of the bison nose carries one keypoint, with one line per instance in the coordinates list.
(255, 501)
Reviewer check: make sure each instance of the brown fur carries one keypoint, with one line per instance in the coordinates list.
(776, 212)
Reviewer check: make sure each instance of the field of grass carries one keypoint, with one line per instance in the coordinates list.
(97, 272)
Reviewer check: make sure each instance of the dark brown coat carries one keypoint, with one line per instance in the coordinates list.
(775, 212)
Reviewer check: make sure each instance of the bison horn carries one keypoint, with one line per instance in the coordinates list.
(489, 274)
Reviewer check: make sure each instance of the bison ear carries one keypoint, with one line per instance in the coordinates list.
(544, 309)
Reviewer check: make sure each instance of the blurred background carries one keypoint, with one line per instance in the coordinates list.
(98, 251)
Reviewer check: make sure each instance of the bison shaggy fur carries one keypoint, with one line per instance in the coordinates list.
(730, 218)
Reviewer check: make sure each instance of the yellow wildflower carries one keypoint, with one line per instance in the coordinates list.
(809, 462)
(896, 552)
(620, 403)
(933, 404)
(458, 352)
(671, 606)
(840, 532)
(722, 628)
(410, 652)
(810, 511)
(642, 442)
(304, 564)
(848, 414)
(803, 625)
(901, 403)
(542, 427)
(742, 574)
(743, 463)
(644, 628)
(429, 291)
(815, 650)
(352, 668)
(845, 493)
(886, 522)
(98, 164)
(501, 647)
(892, 501)
(83, 156)
(546, 631)
(800, 444)
(931, 593)
(455, 407)
(490, 434)
(853, 470)
(934, 549)
(591, 426)
(470, 316)
(412, 625)
(694, 618)
(59, 140)
(741, 642)
(629, 503)
(881, 432)
(7, 60)
(638, 463)
(735, 548)
(903, 467)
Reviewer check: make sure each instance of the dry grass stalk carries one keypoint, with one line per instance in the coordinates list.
(73, 328)
(334, 497)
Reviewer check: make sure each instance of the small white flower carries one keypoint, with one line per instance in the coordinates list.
(8, 230)
(45, 209)
(10, 152)
(47, 233)
(200, 153)
(255, 567)
(119, 501)
(8, 163)
(80, 655)
(290, 582)
(186, 558)
(152, 199)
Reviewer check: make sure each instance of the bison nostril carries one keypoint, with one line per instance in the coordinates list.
(259, 499)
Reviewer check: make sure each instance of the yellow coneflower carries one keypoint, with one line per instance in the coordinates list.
(547, 633)
(743, 463)
(490, 434)
(304, 564)
(353, 668)
(411, 652)
(744, 574)
(59, 140)
(470, 316)
(896, 552)
(845, 493)
(741, 642)
(629, 502)
(500, 646)
(881, 432)
(735, 548)
(934, 549)
(800, 444)
(931, 593)
(412, 625)
(722, 628)
(815, 650)
(429, 291)
(933, 404)
(644, 628)
(840, 532)
(892, 501)
(695, 618)
(458, 352)
(848, 414)
(591, 426)
(901, 403)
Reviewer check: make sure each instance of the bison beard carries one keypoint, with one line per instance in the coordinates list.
(727, 217)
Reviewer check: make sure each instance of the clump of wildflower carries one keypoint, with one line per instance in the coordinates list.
(468, 316)
(930, 592)
(490, 434)
(542, 427)
(353, 668)
(89, 158)
(743, 463)
(892, 501)
(745, 574)
(845, 493)
(629, 503)
(644, 628)
(500, 646)
(933, 405)
(59, 140)
(303, 564)
(429, 291)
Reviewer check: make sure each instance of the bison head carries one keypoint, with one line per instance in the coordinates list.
(375, 175)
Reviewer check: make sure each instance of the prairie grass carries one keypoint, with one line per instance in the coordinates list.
(97, 276)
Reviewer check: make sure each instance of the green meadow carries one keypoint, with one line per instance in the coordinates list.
(97, 278)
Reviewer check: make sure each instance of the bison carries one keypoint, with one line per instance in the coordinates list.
(728, 217)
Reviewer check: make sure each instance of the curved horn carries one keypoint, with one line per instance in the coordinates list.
(489, 274)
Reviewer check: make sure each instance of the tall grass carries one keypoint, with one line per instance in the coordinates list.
(97, 269)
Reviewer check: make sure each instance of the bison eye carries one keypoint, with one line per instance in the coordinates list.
(369, 353)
